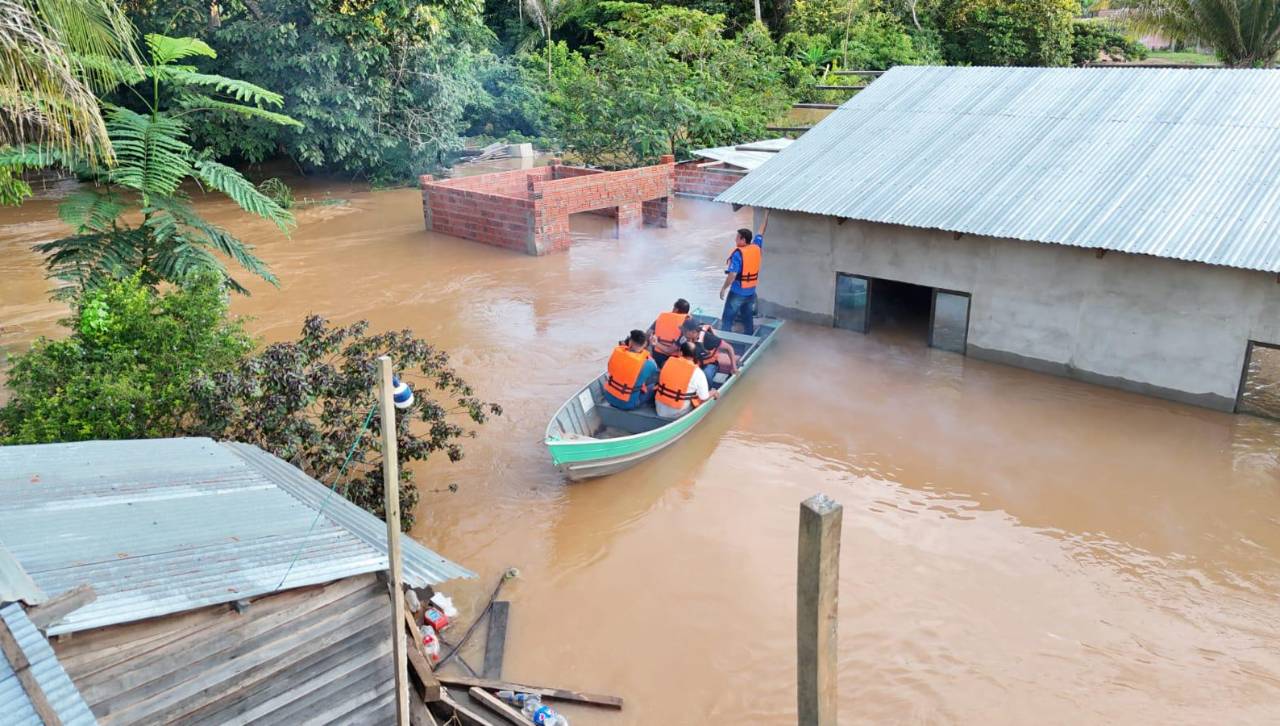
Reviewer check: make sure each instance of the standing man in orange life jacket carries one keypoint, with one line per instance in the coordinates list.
(629, 382)
(741, 274)
(682, 386)
(664, 334)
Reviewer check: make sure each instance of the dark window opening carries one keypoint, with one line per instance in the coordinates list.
(903, 310)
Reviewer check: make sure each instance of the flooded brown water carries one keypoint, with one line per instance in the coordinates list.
(1017, 548)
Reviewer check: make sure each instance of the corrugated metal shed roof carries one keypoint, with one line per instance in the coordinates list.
(63, 697)
(1183, 164)
(15, 584)
(746, 156)
(168, 525)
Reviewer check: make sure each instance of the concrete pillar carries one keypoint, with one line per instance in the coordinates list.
(817, 587)
(424, 182)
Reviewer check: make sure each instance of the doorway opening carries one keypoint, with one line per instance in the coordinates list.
(1259, 393)
(903, 310)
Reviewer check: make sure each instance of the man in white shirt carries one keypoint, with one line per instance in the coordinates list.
(682, 386)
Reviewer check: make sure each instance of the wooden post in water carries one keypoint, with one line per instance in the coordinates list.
(817, 585)
(391, 487)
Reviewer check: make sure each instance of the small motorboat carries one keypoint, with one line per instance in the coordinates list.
(588, 438)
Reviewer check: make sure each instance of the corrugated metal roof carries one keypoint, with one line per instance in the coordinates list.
(168, 525)
(1183, 164)
(15, 584)
(63, 697)
(746, 156)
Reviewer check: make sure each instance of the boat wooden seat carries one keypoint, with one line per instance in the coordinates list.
(635, 421)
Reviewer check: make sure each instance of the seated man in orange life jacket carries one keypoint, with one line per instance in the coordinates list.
(712, 353)
(632, 375)
(682, 385)
(664, 334)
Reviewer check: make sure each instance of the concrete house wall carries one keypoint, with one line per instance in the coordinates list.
(1163, 327)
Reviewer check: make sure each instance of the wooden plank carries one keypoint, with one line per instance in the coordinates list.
(840, 88)
(391, 506)
(788, 129)
(420, 662)
(462, 713)
(495, 644)
(495, 704)
(419, 714)
(55, 610)
(872, 74)
(559, 694)
(22, 668)
(817, 585)
(819, 106)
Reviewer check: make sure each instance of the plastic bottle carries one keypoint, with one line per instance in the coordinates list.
(530, 705)
(431, 643)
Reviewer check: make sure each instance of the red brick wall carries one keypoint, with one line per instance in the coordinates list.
(490, 218)
(706, 182)
(528, 209)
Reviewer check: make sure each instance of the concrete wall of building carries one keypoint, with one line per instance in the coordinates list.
(1162, 327)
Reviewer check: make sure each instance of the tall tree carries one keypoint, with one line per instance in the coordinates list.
(1243, 33)
(171, 241)
(46, 91)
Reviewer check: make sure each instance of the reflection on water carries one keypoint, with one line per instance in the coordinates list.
(1017, 548)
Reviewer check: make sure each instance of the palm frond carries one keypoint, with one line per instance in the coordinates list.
(190, 227)
(165, 50)
(44, 98)
(87, 261)
(197, 102)
(242, 91)
(96, 28)
(90, 210)
(152, 157)
(243, 192)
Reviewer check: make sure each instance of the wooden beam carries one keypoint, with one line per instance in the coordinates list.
(391, 505)
(495, 644)
(419, 714)
(840, 88)
(420, 662)
(464, 714)
(22, 668)
(556, 694)
(495, 704)
(788, 129)
(818, 106)
(817, 584)
(54, 610)
(872, 74)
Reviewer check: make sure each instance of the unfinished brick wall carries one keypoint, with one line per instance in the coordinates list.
(699, 179)
(528, 209)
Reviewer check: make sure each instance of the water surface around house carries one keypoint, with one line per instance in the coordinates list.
(1017, 548)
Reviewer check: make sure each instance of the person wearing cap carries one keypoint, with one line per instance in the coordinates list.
(631, 373)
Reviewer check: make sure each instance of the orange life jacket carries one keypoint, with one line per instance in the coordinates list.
(705, 355)
(673, 383)
(750, 273)
(624, 372)
(666, 329)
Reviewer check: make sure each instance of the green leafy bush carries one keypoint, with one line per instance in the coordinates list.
(305, 401)
(127, 368)
(664, 81)
(1005, 32)
(1091, 38)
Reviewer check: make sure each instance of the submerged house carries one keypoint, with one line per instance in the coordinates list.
(215, 583)
(1120, 226)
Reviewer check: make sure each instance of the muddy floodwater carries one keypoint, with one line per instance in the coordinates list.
(1017, 548)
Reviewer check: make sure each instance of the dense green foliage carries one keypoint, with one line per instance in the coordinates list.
(305, 401)
(1092, 39)
(665, 80)
(127, 367)
(1005, 32)
(1243, 33)
(381, 88)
